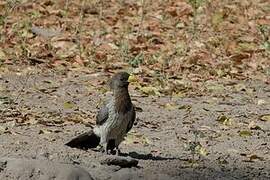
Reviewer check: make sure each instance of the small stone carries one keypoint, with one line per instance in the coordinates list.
(120, 161)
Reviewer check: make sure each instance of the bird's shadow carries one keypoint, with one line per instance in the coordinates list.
(136, 155)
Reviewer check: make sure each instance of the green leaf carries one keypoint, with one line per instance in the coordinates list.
(68, 105)
(266, 45)
(137, 60)
(225, 120)
(245, 133)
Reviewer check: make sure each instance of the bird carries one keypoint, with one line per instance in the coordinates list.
(114, 119)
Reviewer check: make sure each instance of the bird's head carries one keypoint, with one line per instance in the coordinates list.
(119, 80)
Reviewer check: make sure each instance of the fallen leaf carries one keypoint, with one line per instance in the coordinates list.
(3, 129)
(225, 120)
(202, 151)
(170, 106)
(150, 90)
(261, 102)
(245, 133)
(44, 131)
(216, 88)
(217, 18)
(68, 105)
(185, 107)
(79, 60)
(253, 126)
(2, 55)
(65, 48)
(178, 94)
(255, 157)
(133, 138)
(265, 117)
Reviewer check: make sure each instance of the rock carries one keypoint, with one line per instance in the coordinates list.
(31, 169)
(119, 161)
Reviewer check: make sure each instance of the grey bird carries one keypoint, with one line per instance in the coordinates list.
(113, 121)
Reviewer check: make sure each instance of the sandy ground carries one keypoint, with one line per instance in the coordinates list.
(43, 110)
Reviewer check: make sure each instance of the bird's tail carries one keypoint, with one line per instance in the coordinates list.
(85, 141)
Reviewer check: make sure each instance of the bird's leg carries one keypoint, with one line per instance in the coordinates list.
(111, 146)
(104, 145)
(106, 148)
(117, 151)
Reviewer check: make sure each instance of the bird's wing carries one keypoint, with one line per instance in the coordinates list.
(132, 119)
(102, 115)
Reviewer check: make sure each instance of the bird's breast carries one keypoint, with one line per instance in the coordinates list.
(116, 125)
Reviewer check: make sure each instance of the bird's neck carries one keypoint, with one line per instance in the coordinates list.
(122, 100)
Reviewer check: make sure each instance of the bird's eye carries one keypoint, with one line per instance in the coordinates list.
(123, 79)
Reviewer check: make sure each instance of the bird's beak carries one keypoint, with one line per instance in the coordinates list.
(131, 78)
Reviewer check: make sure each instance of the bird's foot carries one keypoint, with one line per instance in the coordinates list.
(100, 149)
(103, 150)
(106, 150)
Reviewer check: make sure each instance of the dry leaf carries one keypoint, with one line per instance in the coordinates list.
(132, 138)
(253, 126)
(265, 117)
(150, 90)
(261, 102)
(255, 157)
(202, 151)
(216, 88)
(2, 55)
(225, 120)
(170, 106)
(245, 133)
(68, 105)
(44, 131)
(3, 129)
